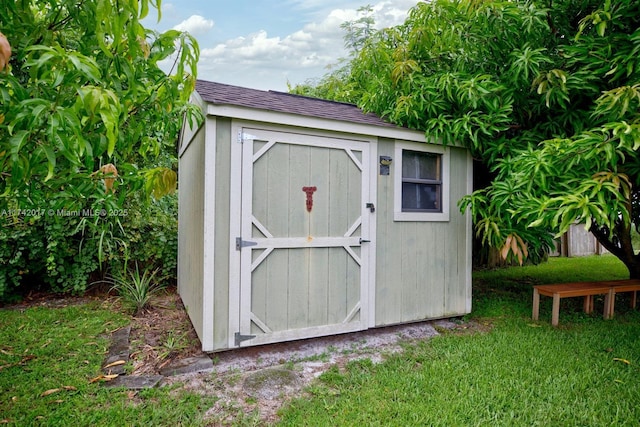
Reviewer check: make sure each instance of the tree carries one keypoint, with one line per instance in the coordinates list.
(86, 123)
(546, 94)
(337, 85)
(359, 31)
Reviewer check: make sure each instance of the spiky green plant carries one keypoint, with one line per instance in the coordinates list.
(135, 289)
(172, 344)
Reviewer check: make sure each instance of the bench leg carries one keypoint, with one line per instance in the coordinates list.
(634, 297)
(536, 304)
(609, 304)
(555, 311)
(588, 304)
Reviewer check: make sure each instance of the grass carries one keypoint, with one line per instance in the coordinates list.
(510, 371)
(48, 357)
(519, 373)
(508, 291)
(558, 270)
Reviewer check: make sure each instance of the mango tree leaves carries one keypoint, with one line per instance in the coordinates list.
(160, 181)
(546, 95)
(82, 91)
(5, 52)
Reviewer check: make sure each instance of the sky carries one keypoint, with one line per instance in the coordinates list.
(263, 44)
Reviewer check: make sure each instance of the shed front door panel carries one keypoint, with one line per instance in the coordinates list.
(304, 265)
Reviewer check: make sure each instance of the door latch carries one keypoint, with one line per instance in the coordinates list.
(364, 241)
(371, 207)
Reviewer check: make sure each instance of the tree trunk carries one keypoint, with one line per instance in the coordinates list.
(634, 270)
(618, 242)
(633, 265)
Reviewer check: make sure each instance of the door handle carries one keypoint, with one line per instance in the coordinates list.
(364, 241)
(371, 207)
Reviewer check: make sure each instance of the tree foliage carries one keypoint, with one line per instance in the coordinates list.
(359, 31)
(87, 120)
(545, 93)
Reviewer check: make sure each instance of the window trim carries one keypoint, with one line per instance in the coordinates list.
(398, 214)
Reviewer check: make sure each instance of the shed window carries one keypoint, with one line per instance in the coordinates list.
(421, 182)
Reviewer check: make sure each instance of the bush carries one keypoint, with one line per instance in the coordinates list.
(42, 252)
(152, 237)
(22, 253)
(52, 251)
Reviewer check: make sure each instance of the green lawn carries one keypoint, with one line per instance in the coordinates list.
(520, 373)
(508, 291)
(510, 372)
(48, 357)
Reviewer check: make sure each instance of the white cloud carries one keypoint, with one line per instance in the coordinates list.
(195, 25)
(267, 62)
(297, 50)
(391, 13)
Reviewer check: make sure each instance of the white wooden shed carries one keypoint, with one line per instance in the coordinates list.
(301, 217)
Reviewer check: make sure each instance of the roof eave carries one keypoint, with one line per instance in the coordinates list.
(267, 116)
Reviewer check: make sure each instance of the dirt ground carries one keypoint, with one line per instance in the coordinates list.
(258, 381)
(161, 335)
(253, 382)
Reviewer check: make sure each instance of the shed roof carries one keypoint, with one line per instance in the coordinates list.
(223, 94)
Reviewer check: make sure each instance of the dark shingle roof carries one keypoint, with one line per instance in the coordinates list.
(222, 94)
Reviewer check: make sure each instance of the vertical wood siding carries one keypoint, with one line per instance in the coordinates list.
(580, 242)
(221, 220)
(191, 199)
(304, 287)
(421, 270)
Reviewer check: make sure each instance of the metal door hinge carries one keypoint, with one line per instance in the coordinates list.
(243, 136)
(243, 243)
(240, 338)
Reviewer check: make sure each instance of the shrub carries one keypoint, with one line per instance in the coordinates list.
(152, 237)
(21, 253)
(44, 252)
(56, 252)
(134, 289)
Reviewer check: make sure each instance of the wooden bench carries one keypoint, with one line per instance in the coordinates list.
(567, 290)
(620, 286)
(587, 290)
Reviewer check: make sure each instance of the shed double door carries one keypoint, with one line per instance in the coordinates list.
(304, 262)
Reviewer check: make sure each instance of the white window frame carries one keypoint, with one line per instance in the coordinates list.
(398, 214)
